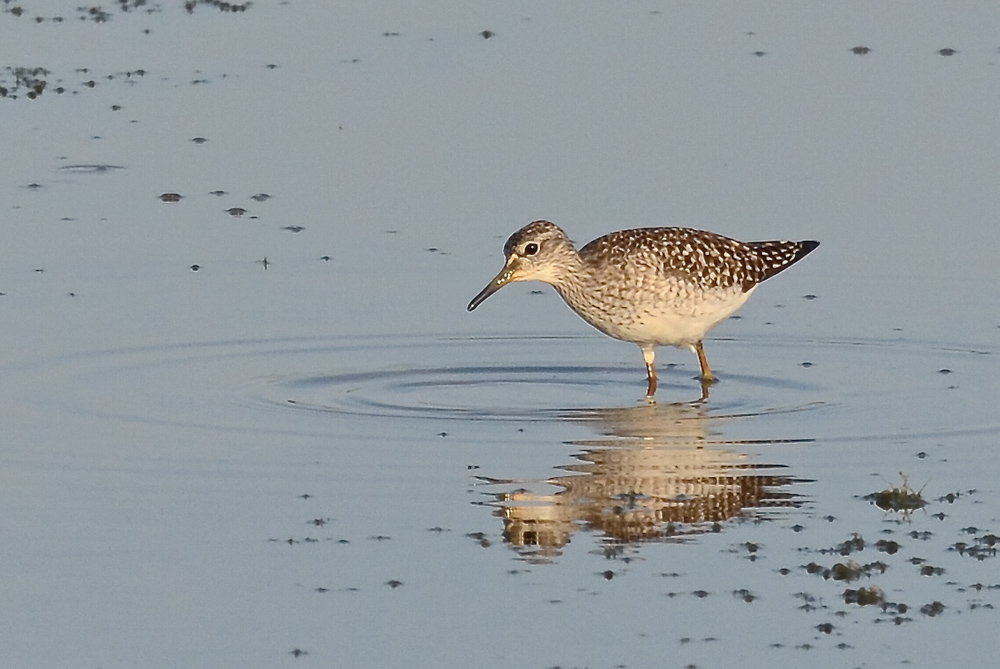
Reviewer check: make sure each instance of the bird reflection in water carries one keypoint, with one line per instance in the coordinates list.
(657, 474)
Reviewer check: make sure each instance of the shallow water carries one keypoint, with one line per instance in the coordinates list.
(278, 437)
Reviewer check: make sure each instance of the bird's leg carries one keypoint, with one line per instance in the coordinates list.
(648, 355)
(706, 373)
(705, 385)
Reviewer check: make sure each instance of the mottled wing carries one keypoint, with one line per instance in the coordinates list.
(776, 256)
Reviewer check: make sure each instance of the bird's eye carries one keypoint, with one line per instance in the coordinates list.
(531, 249)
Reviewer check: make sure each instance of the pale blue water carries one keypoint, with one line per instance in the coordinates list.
(223, 466)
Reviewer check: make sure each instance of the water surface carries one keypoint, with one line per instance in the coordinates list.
(254, 425)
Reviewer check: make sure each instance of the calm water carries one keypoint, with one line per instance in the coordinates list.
(275, 436)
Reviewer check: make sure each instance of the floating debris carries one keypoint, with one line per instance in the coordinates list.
(846, 571)
(903, 498)
(984, 547)
(864, 596)
(171, 197)
(887, 546)
(190, 5)
(861, 50)
(933, 609)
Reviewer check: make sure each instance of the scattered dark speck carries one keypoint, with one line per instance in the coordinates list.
(825, 628)
(236, 211)
(218, 193)
(864, 596)
(759, 53)
(293, 228)
(325, 258)
(298, 652)
(486, 34)
(947, 52)
(807, 364)
(810, 296)
(260, 197)
(861, 50)
(394, 583)
(608, 575)
(195, 268)
(944, 371)
(480, 538)
(198, 140)
(171, 197)
(886, 546)
(932, 609)
(700, 594)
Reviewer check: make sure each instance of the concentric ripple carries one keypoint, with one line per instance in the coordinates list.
(850, 389)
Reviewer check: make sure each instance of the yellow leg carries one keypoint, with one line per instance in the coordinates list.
(706, 373)
(648, 355)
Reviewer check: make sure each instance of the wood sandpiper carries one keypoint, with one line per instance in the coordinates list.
(650, 286)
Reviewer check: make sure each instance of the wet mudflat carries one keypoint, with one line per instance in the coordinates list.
(249, 422)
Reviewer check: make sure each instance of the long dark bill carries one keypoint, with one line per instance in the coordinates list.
(493, 287)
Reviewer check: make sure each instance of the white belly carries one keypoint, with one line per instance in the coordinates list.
(673, 318)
